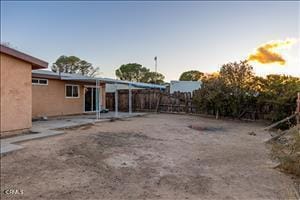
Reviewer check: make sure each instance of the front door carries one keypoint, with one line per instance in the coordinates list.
(90, 99)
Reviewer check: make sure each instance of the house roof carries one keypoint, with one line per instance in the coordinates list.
(35, 62)
(78, 77)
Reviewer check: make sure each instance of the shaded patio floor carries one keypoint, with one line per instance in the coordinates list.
(71, 121)
(54, 126)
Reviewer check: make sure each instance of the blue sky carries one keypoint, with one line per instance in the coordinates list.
(183, 35)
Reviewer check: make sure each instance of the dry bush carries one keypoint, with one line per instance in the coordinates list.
(287, 150)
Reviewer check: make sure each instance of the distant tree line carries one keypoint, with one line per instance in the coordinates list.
(236, 90)
(130, 72)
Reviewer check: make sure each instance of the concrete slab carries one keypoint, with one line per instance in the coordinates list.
(72, 121)
(7, 147)
(26, 137)
(9, 144)
(54, 126)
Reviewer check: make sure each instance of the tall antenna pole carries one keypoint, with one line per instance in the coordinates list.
(155, 60)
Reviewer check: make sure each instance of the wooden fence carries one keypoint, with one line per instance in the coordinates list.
(152, 100)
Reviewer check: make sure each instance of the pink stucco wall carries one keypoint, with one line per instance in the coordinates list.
(49, 100)
(15, 94)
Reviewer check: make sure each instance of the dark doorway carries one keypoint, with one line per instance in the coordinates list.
(90, 99)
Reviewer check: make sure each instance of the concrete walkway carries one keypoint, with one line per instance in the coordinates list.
(55, 126)
(9, 144)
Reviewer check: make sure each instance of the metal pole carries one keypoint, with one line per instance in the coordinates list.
(97, 100)
(100, 100)
(155, 59)
(129, 99)
(116, 100)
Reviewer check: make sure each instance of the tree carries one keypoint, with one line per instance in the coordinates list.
(136, 72)
(236, 91)
(86, 68)
(153, 77)
(74, 65)
(239, 80)
(212, 98)
(131, 72)
(192, 75)
(229, 92)
(278, 96)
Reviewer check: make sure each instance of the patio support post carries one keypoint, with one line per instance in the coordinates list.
(97, 100)
(100, 100)
(116, 100)
(129, 99)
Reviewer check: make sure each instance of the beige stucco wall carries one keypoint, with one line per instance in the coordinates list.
(49, 100)
(15, 94)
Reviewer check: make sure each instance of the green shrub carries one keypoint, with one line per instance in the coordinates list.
(236, 90)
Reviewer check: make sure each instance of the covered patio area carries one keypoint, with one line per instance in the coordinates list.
(98, 101)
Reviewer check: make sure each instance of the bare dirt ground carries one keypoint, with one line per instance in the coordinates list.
(152, 157)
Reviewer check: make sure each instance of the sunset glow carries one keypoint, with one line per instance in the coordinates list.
(265, 54)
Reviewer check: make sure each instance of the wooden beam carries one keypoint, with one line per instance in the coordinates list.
(281, 121)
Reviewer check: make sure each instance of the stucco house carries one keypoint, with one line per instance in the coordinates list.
(58, 94)
(16, 90)
(28, 91)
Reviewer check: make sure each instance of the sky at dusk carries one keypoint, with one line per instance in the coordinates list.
(183, 35)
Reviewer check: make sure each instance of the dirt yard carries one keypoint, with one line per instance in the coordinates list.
(152, 157)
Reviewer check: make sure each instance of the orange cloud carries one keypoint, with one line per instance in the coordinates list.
(265, 53)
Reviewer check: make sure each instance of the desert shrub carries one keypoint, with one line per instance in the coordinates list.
(279, 96)
(287, 150)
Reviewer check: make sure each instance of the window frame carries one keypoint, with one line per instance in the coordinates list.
(72, 97)
(38, 81)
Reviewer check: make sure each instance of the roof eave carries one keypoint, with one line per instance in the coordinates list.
(35, 62)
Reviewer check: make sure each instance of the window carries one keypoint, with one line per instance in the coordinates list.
(43, 82)
(72, 91)
(35, 81)
(38, 81)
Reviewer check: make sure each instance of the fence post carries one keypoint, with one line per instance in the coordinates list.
(116, 100)
(129, 99)
(298, 108)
